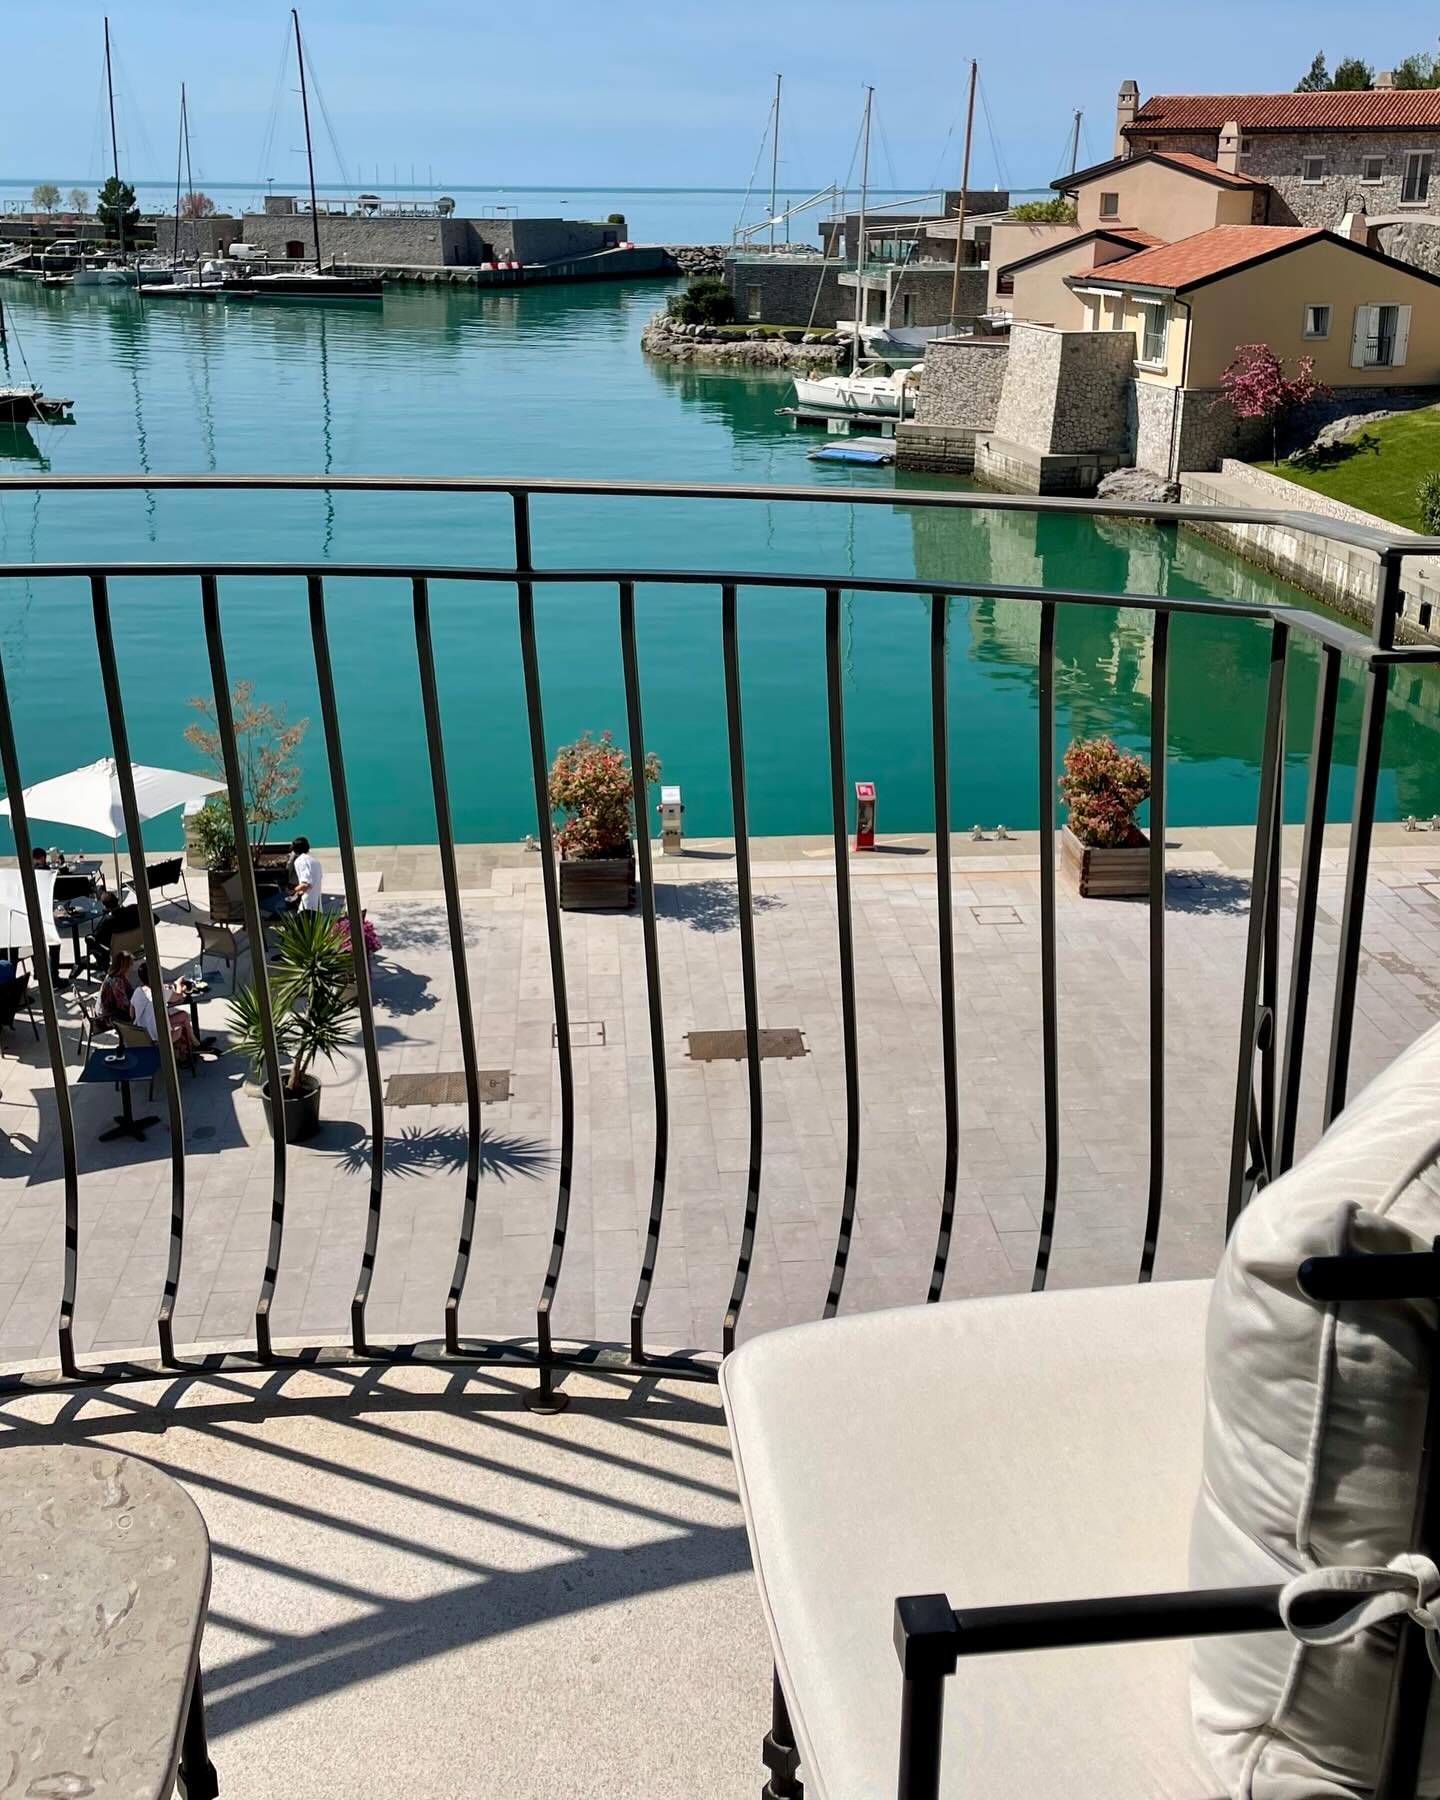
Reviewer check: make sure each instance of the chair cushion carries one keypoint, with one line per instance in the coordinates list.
(1313, 1429)
(1031, 1447)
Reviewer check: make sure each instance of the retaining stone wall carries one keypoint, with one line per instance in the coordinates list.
(962, 383)
(1064, 391)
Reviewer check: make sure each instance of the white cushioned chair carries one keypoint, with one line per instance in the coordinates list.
(947, 1473)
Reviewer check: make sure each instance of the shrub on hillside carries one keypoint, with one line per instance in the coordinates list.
(1427, 502)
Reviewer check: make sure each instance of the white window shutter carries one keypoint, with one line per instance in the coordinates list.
(1402, 336)
(1364, 330)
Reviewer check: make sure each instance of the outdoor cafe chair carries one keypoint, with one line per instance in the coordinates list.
(166, 874)
(220, 942)
(933, 1494)
(140, 1039)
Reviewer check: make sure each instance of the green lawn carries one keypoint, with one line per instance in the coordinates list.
(1378, 469)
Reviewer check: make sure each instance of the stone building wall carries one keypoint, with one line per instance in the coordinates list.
(545, 240)
(1064, 392)
(386, 238)
(962, 382)
(1416, 242)
(198, 237)
(788, 290)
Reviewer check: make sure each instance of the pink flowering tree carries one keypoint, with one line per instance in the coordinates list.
(590, 782)
(1255, 386)
(1102, 786)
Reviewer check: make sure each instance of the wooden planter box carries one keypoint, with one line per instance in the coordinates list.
(1109, 870)
(598, 883)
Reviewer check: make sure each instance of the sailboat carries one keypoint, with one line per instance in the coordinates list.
(114, 271)
(891, 396)
(305, 284)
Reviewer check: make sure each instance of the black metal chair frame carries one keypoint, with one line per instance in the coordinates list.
(931, 1636)
(24, 1003)
(163, 874)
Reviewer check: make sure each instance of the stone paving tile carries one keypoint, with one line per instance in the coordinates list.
(1101, 1155)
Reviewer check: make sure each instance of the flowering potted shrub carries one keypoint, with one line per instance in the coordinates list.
(590, 783)
(1101, 845)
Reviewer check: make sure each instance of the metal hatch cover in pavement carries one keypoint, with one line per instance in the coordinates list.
(729, 1046)
(445, 1088)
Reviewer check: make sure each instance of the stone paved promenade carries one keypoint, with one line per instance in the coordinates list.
(124, 1187)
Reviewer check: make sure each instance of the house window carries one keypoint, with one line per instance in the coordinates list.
(1312, 168)
(1415, 190)
(754, 306)
(1317, 322)
(1247, 146)
(907, 310)
(1109, 206)
(1382, 335)
(1154, 315)
(1372, 169)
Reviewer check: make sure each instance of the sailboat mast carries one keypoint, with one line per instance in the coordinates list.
(179, 166)
(774, 159)
(114, 143)
(860, 244)
(964, 196)
(309, 152)
(1075, 142)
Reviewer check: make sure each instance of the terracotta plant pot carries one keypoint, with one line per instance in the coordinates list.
(302, 1110)
(1106, 870)
(598, 883)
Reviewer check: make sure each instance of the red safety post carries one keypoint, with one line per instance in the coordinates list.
(864, 815)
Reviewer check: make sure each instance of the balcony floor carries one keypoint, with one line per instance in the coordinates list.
(421, 1588)
(1104, 1118)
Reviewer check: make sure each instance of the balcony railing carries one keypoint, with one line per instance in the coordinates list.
(1268, 1070)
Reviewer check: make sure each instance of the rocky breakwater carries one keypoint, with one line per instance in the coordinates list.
(699, 259)
(792, 348)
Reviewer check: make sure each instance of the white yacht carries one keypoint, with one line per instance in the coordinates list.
(891, 396)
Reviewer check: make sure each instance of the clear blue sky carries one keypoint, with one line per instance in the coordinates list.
(636, 92)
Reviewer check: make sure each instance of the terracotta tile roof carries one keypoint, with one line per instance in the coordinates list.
(1188, 160)
(1207, 253)
(1376, 109)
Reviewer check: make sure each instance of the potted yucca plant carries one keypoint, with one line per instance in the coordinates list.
(590, 783)
(312, 994)
(1101, 845)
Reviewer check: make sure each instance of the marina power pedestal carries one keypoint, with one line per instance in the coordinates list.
(864, 815)
(670, 808)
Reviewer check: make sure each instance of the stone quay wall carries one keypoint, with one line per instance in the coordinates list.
(1342, 575)
(962, 383)
(1064, 391)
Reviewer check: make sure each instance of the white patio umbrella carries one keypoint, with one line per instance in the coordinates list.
(89, 798)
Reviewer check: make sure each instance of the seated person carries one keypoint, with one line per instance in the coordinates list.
(116, 989)
(113, 917)
(182, 1032)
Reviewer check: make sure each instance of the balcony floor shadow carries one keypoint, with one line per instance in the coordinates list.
(421, 1586)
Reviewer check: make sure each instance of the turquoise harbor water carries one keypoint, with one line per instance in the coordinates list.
(552, 382)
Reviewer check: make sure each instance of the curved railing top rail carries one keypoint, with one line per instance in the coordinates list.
(1395, 542)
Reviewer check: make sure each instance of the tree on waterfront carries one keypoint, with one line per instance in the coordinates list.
(196, 205)
(116, 210)
(1255, 386)
(45, 196)
(77, 201)
(267, 742)
(707, 301)
(1316, 79)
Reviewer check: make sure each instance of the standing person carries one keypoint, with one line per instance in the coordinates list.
(309, 889)
(182, 1032)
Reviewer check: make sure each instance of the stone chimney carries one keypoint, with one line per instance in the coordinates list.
(1126, 108)
(1385, 79)
(1228, 155)
(1355, 226)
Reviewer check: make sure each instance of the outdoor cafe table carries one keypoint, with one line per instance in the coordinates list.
(101, 1613)
(131, 1062)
